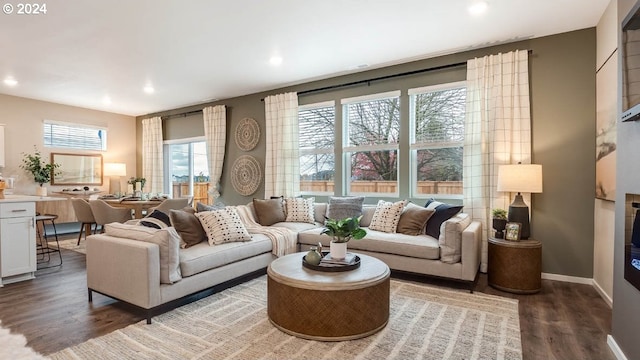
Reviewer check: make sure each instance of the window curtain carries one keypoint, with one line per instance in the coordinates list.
(282, 162)
(497, 132)
(152, 154)
(215, 132)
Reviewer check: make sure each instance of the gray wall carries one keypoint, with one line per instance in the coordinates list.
(626, 314)
(563, 117)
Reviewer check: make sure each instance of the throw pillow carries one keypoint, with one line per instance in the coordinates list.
(188, 227)
(167, 240)
(344, 207)
(269, 211)
(450, 240)
(413, 219)
(157, 220)
(223, 225)
(443, 212)
(300, 210)
(386, 216)
(204, 207)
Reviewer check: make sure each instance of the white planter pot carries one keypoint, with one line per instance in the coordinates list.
(41, 191)
(338, 250)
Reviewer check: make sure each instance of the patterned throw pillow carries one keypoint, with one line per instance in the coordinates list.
(157, 220)
(386, 216)
(300, 210)
(223, 225)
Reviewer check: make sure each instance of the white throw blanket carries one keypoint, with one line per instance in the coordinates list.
(284, 240)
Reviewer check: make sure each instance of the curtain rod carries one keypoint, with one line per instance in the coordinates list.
(367, 81)
(185, 114)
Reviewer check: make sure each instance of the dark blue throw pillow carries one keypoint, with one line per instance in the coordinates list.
(443, 212)
(157, 220)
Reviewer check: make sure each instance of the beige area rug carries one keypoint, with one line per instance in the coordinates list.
(425, 323)
(70, 244)
(14, 347)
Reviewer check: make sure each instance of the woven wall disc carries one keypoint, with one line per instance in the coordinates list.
(247, 134)
(246, 175)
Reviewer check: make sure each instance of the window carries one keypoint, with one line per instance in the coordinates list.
(437, 134)
(74, 136)
(186, 170)
(316, 124)
(372, 128)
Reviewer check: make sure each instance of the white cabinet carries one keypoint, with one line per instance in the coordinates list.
(17, 242)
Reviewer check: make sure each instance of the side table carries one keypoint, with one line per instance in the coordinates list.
(515, 266)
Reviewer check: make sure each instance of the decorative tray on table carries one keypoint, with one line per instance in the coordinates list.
(328, 264)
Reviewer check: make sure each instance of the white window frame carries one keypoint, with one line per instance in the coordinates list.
(414, 147)
(347, 149)
(168, 178)
(326, 150)
(104, 130)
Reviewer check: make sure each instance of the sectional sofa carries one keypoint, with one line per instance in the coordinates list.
(152, 268)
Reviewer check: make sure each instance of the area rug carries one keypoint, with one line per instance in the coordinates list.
(14, 347)
(425, 323)
(71, 244)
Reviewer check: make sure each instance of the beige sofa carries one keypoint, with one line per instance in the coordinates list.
(154, 275)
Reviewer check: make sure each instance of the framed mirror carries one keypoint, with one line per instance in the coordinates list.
(77, 169)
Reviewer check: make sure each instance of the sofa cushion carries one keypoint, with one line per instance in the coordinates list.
(203, 257)
(204, 207)
(367, 214)
(269, 211)
(223, 225)
(298, 226)
(450, 239)
(344, 207)
(443, 212)
(413, 220)
(188, 227)
(386, 216)
(167, 240)
(300, 210)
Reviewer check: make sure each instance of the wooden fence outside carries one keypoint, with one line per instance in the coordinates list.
(200, 191)
(423, 187)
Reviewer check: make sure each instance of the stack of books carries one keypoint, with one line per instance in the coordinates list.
(328, 261)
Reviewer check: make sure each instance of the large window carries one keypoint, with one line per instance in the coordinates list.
(186, 171)
(372, 128)
(317, 135)
(74, 136)
(437, 134)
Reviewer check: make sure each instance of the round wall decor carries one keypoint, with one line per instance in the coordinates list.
(246, 175)
(247, 134)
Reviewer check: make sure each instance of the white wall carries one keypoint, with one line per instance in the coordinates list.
(23, 118)
(606, 110)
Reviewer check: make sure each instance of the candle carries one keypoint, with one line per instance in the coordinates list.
(129, 188)
(139, 185)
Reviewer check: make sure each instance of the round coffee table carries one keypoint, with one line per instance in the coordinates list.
(328, 306)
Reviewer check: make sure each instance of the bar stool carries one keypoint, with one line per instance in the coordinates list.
(43, 249)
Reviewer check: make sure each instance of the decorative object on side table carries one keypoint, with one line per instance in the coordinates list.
(520, 178)
(499, 221)
(342, 231)
(313, 257)
(513, 230)
(41, 170)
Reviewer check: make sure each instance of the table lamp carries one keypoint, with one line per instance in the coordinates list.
(115, 171)
(520, 178)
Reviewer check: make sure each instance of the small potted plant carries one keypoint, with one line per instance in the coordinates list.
(342, 231)
(499, 221)
(39, 169)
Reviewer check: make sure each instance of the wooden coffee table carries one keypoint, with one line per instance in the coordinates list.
(328, 306)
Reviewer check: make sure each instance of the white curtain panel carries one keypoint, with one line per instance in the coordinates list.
(215, 132)
(152, 154)
(282, 162)
(497, 132)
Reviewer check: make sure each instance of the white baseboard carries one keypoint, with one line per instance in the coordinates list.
(603, 294)
(613, 345)
(565, 278)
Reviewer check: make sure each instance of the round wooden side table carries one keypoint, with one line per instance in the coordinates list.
(515, 266)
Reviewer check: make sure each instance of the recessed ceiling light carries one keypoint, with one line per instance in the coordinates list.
(478, 8)
(10, 81)
(149, 89)
(275, 60)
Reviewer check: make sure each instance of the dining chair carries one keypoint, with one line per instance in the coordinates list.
(106, 214)
(84, 214)
(169, 204)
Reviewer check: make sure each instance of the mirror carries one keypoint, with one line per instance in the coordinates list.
(77, 169)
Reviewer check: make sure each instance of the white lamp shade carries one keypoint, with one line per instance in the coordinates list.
(115, 169)
(524, 178)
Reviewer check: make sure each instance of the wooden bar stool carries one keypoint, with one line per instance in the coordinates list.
(43, 249)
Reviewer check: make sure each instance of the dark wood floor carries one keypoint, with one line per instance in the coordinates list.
(563, 321)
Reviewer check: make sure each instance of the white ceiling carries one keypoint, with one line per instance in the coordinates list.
(194, 51)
